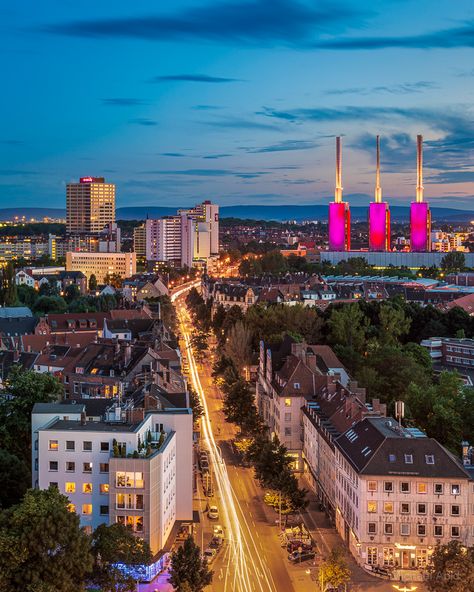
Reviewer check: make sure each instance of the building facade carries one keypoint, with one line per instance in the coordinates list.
(102, 264)
(90, 205)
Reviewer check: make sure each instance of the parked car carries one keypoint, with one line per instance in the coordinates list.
(296, 545)
(213, 513)
(218, 531)
(209, 555)
(215, 543)
(297, 557)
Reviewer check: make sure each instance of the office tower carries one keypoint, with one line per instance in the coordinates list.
(379, 215)
(420, 215)
(90, 205)
(339, 213)
(139, 240)
(163, 239)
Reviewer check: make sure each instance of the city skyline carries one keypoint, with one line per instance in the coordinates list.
(237, 102)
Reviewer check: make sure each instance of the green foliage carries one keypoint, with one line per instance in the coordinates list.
(51, 552)
(451, 568)
(92, 282)
(168, 313)
(188, 571)
(27, 388)
(114, 279)
(71, 293)
(49, 304)
(27, 295)
(334, 572)
(453, 261)
(272, 262)
(8, 292)
(195, 404)
(238, 345)
(239, 405)
(348, 326)
(15, 479)
(117, 544)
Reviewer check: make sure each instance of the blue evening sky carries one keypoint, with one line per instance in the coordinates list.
(236, 101)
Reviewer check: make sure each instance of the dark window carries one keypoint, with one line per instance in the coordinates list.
(53, 465)
(104, 446)
(104, 510)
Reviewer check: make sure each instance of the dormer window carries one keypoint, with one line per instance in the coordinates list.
(429, 458)
(409, 459)
(296, 385)
(392, 458)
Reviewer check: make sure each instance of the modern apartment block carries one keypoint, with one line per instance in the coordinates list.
(102, 264)
(163, 239)
(90, 205)
(139, 240)
(134, 466)
(449, 353)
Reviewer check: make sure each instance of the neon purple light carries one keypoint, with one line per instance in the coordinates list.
(378, 226)
(338, 226)
(419, 226)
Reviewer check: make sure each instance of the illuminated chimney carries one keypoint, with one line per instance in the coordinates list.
(379, 215)
(420, 215)
(339, 214)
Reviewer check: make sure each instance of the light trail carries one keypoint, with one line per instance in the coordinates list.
(250, 570)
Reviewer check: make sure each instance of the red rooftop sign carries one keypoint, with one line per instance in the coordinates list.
(91, 180)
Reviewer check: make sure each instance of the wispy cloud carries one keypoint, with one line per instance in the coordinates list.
(395, 89)
(174, 154)
(122, 102)
(240, 123)
(215, 156)
(462, 36)
(193, 78)
(207, 173)
(448, 177)
(250, 22)
(206, 107)
(143, 121)
(286, 145)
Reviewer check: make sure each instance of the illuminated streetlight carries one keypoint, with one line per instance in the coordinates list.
(404, 588)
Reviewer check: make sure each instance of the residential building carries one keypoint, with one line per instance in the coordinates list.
(90, 205)
(134, 466)
(139, 240)
(102, 264)
(163, 239)
(195, 240)
(228, 295)
(449, 353)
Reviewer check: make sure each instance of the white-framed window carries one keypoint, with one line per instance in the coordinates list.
(404, 529)
(372, 555)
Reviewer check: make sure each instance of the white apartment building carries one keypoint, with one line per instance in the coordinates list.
(163, 239)
(195, 240)
(132, 467)
(102, 264)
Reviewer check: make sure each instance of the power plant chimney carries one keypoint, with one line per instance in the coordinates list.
(339, 214)
(379, 214)
(419, 168)
(420, 215)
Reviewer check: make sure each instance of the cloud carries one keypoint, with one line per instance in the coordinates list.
(215, 156)
(122, 102)
(240, 123)
(448, 177)
(286, 145)
(462, 36)
(207, 173)
(193, 78)
(396, 89)
(205, 107)
(251, 22)
(175, 154)
(143, 121)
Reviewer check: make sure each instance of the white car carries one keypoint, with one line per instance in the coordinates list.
(218, 531)
(213, 513)
(209, 555)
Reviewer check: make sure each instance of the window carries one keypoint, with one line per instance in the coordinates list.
(371, 485)
(388, 556)
(104, 467)
(392, 458)
(388, 528)
(438, 509)
(287, 416)
(104, 446)
(87, 488)
(438, 530)
(70, 445)
(405, 508)
(53, 484)
(53, 465)
(372, 555)
(388, 486)
(87, 446)
(70, 487)
(421, 529)
(87, 467)
(70, 466)
(404, 529)
(422, 488)
(87, 508)
(296, 385)
(372, 528)
(287, 431)
(409, 459)
(405, 487)
(71, 507)
(371, 507)
(438, 488)
(121, 520)
(53, 445)
(455, 510)
(139, 501)
(455, 489)
(104, 488)
(388, 507)
(429, 458)
(454, 531)
(104, 510)
(421, 508)
(287, 402)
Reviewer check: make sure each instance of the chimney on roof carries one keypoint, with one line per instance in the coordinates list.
(127, 354)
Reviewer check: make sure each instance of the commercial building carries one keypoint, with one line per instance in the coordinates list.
(392, 258)
(90, 205)
(139, 240)
(195, 241)
(132, 466)
(102, 264)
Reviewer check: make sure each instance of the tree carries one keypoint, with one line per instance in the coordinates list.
(238, 345)
(26, 388)
(92, 282)
(453, 261)
(451, 568)
(71, 293)
(49, 304)
(15, 479)
(9, 295)
(53, 551)
(348, 326)
(112, 545)
(26, 295)
(195, 404)
(49, 288)
(393, 324)
(334, 572)
(239, 405)
(114, 279)
(188, 570)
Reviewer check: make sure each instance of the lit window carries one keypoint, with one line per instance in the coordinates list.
(287, 402)
(87, 508)
(422, 488)
(70, 487)
(104, 488)
(371, 507)
(388, 507)
(71, 507)
(87, 488)
(371, 485)
(53, 445)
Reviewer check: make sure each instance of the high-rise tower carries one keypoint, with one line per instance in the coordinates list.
(420, 215)
(379, 215)
(339, 213)
(90, 205)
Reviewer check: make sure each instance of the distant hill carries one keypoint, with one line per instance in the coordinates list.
(254, 212)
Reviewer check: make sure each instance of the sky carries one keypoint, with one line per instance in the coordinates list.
(238, 101)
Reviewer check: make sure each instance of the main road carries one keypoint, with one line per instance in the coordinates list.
(252, 559)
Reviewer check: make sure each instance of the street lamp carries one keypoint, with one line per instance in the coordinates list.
(404, 588)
